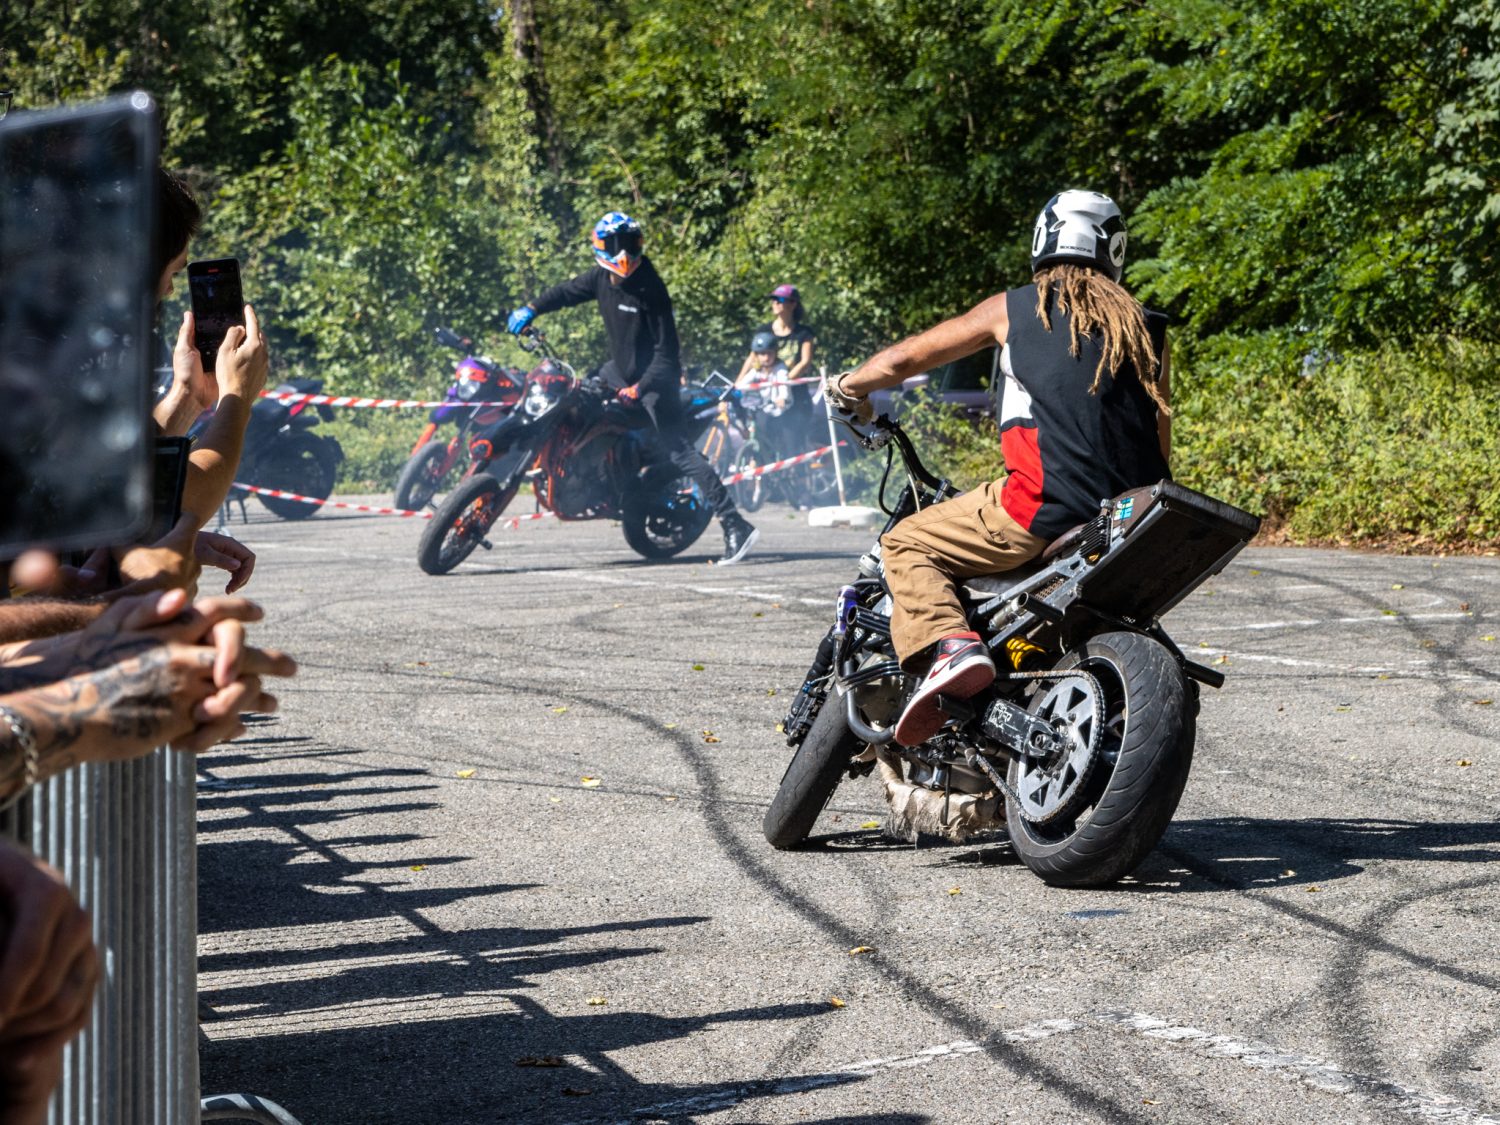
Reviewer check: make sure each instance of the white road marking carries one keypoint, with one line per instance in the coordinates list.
(1313, 1072)
(712, 591)
(1386, 619)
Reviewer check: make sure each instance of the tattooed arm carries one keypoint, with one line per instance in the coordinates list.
(183, 681)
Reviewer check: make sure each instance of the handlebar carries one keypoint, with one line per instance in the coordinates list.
(884, 431)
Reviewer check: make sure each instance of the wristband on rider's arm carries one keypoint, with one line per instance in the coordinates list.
(23, 738)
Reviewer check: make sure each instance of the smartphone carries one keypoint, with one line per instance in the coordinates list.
(78, 199)
(218, 302)
(169, 469)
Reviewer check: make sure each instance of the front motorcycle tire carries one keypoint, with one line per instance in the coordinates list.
(462, 521)
(421, 476)
(811, 777)
(303, 463)
(1123, 806)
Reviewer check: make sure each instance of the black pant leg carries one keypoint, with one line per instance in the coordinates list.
(690, 462)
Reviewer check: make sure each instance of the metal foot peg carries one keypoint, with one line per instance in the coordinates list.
(486, 544)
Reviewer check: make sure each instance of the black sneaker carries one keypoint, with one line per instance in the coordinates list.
(739, 537)
(961, 667)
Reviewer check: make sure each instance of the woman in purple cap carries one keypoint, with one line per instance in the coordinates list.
(794, 347)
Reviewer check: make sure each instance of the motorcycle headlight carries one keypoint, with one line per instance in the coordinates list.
(467, 387)
(538, 401)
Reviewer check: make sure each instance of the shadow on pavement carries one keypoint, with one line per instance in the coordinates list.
(1251, 852)
(331, 987)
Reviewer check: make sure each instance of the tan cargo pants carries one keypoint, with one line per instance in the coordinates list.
(928, 553)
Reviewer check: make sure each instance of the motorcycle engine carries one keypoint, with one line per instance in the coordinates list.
(579, 488)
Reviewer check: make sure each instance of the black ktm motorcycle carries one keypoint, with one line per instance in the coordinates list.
(283, 453)
(586, 455)
(1081, 747)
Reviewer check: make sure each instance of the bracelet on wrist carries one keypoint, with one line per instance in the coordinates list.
(24, 738)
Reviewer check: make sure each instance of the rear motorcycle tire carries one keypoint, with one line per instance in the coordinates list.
(302, 463)
(656, 527)
(419, 480)
(811, 777)
(462, 521)
(1126, 803)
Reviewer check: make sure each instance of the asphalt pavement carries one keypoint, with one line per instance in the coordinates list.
(498, 858)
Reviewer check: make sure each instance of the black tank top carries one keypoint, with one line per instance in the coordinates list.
(1066, 449)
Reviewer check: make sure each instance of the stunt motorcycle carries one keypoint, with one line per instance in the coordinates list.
(586, 456)
(476, 379)
(1081, 747)
(282, 452)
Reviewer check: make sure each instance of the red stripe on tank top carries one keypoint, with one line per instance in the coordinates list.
(1021, 494)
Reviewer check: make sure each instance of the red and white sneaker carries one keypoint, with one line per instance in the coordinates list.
(961, 667)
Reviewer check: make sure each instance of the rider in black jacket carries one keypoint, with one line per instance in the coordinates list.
(644, 364)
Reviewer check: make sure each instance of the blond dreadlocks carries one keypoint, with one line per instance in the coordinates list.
(1098, 306)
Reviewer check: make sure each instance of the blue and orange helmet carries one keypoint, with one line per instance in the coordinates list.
(617, 243)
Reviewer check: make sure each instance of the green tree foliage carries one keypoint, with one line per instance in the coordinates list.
(1312, 188)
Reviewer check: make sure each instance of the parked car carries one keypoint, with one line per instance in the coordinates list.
(964, 382)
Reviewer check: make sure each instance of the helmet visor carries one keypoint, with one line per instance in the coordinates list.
(613, 243)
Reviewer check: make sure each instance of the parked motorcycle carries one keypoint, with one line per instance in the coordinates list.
(587, 456)
(1082, 746)
(283, 453)
(476, 379)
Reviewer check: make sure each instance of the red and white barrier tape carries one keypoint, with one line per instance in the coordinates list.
(777, 466)
(512, 521)
(375, 403)
(356, 401)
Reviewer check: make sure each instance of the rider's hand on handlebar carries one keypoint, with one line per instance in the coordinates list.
(857, 407)
(630, 394)
(520, 320)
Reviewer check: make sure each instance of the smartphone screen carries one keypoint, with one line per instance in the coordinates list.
(168, 474)
(78, 198)
(217, 303)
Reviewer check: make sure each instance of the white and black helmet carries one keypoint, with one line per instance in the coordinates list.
(1082, 227)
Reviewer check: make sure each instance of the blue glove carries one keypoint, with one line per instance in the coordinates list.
(520, 319)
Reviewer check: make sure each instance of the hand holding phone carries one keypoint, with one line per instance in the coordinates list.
(218, 304)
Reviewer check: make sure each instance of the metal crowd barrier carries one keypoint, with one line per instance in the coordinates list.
(125, 835)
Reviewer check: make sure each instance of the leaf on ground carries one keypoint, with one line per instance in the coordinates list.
(1488, 637)
(419, 867)
(770, 691)
(757, 613)
(858, 949)
(669, 726)
(619, 605)
(1483, 702)
(555, 800)
(669, 798)
(465, 773)
(1222, 658)
(1256, 572)
(1343, 708)
(835, 1002)
(710, 736)
(1150, 1101)
(697, 667)
(1398, 586)
(870, 824)
(559, 710)
(1464, 763)
(589, 782)
(1202, 644)
(1313, 890)
(775, 605)
(1464, 606)
(1428, 642)
(597, 1001)
(955, 890)
(1388, 613)
(1288, 873)
(539, 1060)
(780, 728)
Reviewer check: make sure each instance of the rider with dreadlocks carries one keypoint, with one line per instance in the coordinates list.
(1084, 414)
